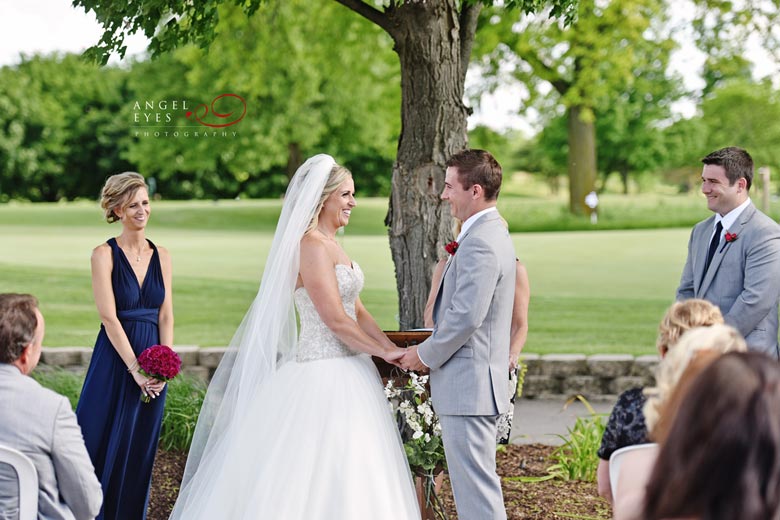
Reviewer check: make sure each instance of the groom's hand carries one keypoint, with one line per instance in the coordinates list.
(411, 360)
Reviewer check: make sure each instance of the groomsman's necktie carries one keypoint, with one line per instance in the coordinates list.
(713, 246)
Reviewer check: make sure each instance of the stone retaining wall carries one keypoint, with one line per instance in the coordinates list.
(597, 376)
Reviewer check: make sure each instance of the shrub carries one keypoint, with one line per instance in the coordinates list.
(576, 458)
(182, 406)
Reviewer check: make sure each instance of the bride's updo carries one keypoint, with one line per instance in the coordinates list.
(338, 174)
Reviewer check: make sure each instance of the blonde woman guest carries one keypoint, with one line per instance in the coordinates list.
(695, 348)
(518, 333)
(131, 282)
(626, 425)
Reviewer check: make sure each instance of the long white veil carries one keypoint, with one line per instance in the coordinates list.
(266, 338)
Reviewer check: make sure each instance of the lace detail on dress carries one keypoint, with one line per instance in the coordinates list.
(316, 340)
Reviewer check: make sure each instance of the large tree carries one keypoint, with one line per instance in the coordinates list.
(433, 39)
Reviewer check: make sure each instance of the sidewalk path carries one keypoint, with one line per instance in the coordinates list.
(539, 420)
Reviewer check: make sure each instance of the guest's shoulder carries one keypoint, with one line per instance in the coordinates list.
(631, 398)
(38, 398)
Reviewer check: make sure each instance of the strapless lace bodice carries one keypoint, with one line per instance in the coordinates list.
(316, 341)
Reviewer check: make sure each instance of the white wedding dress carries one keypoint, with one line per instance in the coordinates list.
(317, 442)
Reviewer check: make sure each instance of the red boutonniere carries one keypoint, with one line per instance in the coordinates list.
(452, 247)
(730, 237)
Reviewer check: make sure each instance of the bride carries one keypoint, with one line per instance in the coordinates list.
(298, 427)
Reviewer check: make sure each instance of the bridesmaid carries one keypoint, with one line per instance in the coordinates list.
(131, 282)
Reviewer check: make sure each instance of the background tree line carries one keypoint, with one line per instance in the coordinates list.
(66, 124)
(319, 78)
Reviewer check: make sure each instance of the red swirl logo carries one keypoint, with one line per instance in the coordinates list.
(221, 115)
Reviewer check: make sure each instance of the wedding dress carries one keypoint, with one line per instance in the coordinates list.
(305, 438)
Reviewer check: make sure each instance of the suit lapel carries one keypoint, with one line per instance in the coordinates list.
(701, 246)
(723, 248)
(480, 221)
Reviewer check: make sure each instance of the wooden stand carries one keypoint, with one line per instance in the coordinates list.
(403, 339)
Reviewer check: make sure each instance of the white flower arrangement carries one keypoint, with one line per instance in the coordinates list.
(420, 429)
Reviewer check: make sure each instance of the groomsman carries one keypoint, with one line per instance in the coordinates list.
(468, 352)
(734, 256)
(40, 423)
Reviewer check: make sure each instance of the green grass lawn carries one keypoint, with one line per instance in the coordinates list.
(592, 291)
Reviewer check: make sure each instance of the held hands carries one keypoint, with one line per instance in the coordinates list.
(411, 360)
(392, 355)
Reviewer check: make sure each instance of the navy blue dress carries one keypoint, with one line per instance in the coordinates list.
(120, 431)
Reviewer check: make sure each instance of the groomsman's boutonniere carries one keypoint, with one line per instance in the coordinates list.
(730, 237)
(452, 247)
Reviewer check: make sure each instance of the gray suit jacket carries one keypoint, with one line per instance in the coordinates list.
(41, 424)
(743, 278)
(468, 352)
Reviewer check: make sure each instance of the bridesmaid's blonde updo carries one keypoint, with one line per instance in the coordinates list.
(338, 174)
(117, 191)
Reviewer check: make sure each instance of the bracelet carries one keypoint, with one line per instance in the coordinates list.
(133, 367)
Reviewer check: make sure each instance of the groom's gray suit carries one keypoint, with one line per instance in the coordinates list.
(743, 278)
(468, 354)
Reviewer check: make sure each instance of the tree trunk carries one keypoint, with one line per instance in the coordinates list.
(294, 159)
(427, 40)
(582, 160)
(624, 178)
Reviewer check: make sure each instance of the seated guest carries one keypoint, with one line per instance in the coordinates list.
(626, 425)
(695, 350)
(39, 423)
(721, 458)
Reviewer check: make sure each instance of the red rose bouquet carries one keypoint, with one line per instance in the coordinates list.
(159, 362)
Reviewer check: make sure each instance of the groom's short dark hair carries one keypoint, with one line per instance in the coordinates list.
(735, 161)
(478, 167)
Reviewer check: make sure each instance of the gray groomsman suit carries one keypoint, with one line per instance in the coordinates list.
(743, 278)
(468, 354)
(41, 424)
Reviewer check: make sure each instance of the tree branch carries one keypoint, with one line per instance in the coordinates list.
(469, 15)
(369, 13)
(546, 72)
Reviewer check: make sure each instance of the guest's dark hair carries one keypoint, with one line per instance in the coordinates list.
(721, 460)
(478, 167)
(17, 324)
(736, 161)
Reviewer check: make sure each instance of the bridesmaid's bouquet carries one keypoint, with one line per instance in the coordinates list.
(159, 362)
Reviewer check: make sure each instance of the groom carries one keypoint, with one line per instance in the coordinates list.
(468, 352)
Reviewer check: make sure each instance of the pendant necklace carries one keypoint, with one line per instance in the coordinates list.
(137, 255)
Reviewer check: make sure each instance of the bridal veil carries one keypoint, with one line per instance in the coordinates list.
(267, 336)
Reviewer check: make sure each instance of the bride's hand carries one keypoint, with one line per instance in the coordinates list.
(393, 354)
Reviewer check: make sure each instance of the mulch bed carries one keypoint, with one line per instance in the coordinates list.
(549, 500)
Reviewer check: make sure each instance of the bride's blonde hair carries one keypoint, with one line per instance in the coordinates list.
(338, 174)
